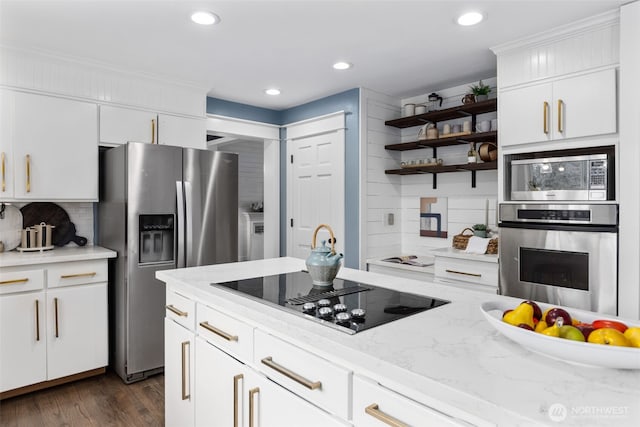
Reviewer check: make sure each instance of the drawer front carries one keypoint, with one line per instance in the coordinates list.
(483, 273)
(377, 406)
(315, 379)
(181, 309)
(226, 332)
(20, 280)
(77, 273)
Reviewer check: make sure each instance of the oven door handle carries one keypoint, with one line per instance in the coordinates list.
(583, 228)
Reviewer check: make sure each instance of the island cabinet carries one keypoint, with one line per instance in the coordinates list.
(577, 106)
(377, 406)
(53, 324)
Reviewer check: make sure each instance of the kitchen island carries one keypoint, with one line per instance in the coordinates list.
(448, 361)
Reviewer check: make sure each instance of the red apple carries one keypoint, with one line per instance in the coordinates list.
(556, 313)
(525, 326)
(537, 313)
(586, 329)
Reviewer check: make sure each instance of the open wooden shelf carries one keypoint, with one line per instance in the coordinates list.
(445, 141)
(443, 168)
(452, 113)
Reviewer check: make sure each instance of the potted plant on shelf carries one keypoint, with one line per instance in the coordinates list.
(480, 230)
(480, 91)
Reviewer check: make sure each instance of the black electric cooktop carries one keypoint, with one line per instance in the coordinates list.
(347, 306)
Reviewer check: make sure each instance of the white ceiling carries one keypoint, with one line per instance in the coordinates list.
(400, 48)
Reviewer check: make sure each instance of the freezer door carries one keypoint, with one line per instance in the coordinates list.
(152, 172)
(211, 206)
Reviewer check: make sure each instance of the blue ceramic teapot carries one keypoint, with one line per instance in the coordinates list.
(323, 263)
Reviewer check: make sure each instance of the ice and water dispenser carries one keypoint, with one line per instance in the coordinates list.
(156, 238)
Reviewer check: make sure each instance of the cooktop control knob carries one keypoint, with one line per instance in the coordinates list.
(309, 307)
(358, 313)
(325, 312)
(339, 308)
(343, 317)
(324, 303)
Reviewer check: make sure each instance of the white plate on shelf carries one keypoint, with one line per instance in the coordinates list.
(11, 227)
(583, 353)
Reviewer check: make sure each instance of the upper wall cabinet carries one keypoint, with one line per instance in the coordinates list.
(49, 148)
(182, 131)
(120, 125)
(573, 107)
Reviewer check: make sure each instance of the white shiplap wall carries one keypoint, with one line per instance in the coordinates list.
(400, 195)
(250, 170)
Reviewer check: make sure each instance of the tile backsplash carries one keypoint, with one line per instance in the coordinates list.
(81, 214)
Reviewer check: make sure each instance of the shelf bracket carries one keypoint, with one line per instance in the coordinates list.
(473, 179)
(435, 180)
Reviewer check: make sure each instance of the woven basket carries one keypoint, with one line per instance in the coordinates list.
(461, 240)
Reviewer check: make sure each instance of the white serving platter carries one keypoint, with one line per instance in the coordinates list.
(577, 352)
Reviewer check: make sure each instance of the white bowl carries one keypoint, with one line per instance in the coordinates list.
(563, 349)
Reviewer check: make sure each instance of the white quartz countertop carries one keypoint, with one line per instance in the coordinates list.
(449, 357)
(427, 260)
(460, 254)
(58, 254)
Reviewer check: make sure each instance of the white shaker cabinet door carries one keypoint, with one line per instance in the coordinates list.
(6, 151)
(182, 131)
(77, 325)
(120, 125)
(55, 150)
(23, 348)
(179, 371)
(219, 387)
(585, 105)
(524, 115)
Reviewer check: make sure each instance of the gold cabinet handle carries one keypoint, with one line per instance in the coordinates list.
(218, 332)
(252, 394)
(153, 131)
(545, 115)
(3, 174)
(463, 272)
(185, 348)
(55, 305)
(177, 311)
(560, 107)
(381, 416)
(73, 276)
(14, 281)
(37, 320)
(311, 385)
(28, 173)
(236, 388)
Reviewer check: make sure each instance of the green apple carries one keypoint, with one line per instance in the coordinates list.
(571, 333)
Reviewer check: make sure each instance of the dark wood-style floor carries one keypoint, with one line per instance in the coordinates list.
(103, 400)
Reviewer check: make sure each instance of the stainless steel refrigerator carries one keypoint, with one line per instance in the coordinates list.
(161, 207)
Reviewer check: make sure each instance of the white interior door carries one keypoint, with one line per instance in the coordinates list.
(315, 190)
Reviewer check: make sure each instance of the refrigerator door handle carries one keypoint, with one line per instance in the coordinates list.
(188, 204)
(180, 224)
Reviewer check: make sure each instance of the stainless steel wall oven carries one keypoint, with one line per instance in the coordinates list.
(560, 254)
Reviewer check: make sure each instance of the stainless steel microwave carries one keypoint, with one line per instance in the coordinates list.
(567, 178)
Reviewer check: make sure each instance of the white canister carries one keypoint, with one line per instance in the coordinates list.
(409, 110)
(421, 109)
(494, 124)
(483, 126)
(446, 129)
(466, 126)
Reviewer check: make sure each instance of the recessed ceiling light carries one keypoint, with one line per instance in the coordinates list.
(470, 18)
(342, 65)
(272, 91)
(205, 18)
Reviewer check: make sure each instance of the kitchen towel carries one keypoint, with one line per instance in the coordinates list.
(477, 245)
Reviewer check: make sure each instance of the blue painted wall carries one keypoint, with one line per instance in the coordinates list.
(243, 111)
(349, 102)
